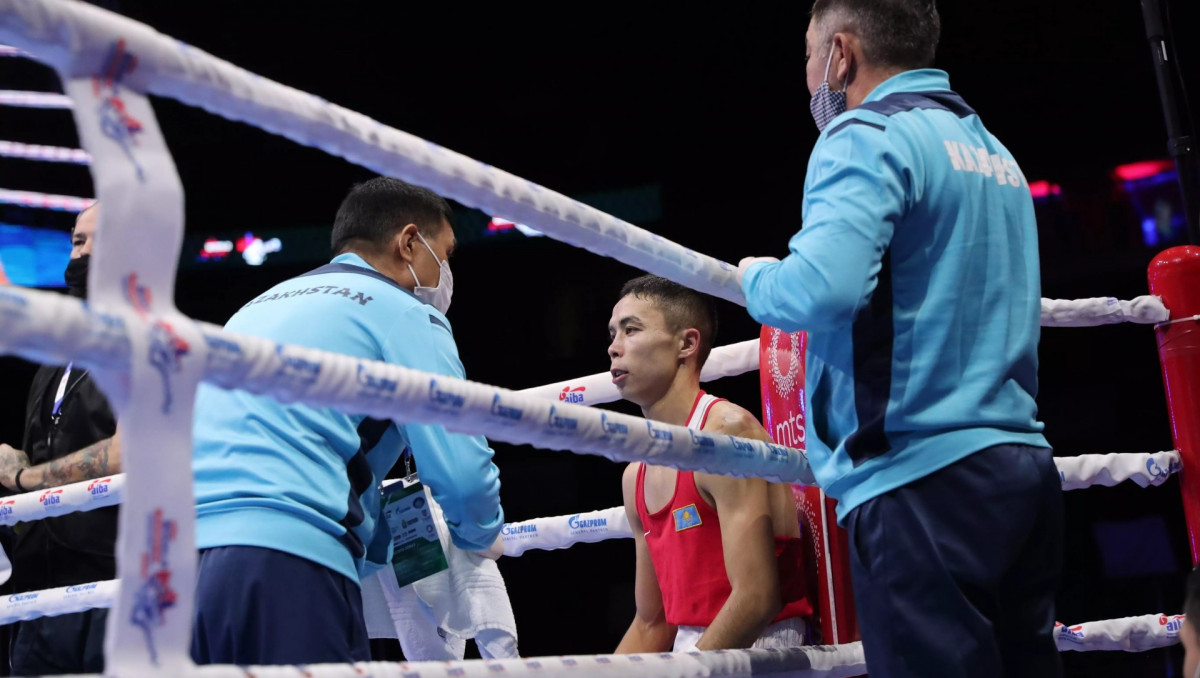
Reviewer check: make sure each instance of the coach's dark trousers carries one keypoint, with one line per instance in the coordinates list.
(955, 574)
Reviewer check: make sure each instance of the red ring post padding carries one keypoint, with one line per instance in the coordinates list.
(781, 374)
(1174, 276)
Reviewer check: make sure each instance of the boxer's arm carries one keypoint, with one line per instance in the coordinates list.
(747, 542)
(649, 631)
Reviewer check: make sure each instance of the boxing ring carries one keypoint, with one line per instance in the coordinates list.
(149, 358)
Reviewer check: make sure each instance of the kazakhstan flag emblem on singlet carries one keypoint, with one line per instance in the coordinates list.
(686, 517)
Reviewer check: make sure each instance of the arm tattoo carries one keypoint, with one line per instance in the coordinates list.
(90, 462)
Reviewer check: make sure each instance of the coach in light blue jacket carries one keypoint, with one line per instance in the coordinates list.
(288, 500)
(916, 276)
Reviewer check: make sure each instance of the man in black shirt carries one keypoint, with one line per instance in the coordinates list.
(70, 436)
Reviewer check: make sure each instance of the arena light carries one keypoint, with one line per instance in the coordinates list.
(1044, 189)
(1142, 170)
(502, 225)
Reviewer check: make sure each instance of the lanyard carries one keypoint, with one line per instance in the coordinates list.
(62, 390)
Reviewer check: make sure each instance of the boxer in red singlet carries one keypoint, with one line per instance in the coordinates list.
(718, 558)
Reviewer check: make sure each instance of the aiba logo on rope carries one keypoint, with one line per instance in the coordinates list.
(99, 487)
(1072, 634)
(1173, 623)
(6, 507)
(154, 595)
(115, 121)
(572, 395)
(50, 497)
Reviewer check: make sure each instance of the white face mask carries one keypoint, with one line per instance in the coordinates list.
(437, 297)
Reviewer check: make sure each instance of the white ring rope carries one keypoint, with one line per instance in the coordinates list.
(63, 600)
(734, 359)
(51, 328)
(595, 389)
(49, 201)
(559, 532)
(9, 97)
(16, 149)
(58, 501)
(1143, 310)
(836, 661)
(1143, 468)
(1131, 634)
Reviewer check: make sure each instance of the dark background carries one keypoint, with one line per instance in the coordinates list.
(710, 107)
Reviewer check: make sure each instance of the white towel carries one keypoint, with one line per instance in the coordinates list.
(433, 617)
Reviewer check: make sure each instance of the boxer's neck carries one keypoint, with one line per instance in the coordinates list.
(675, 406)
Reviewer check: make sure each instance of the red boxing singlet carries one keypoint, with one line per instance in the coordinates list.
(684, 539)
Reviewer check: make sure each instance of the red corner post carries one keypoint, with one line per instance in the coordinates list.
(1175, 277)
(827, 553)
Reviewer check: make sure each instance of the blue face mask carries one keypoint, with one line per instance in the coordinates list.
(827, 104)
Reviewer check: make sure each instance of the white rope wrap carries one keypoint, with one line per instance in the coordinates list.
(52, 328)
(1143, 468)
(560, 532)
(596, 389)
(53, 602)
(49, 201)
(1131, 634)
(1144, 310)
(57, 501)
(828, 661)
(742, 357)
(16, 149)
(17, 98)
